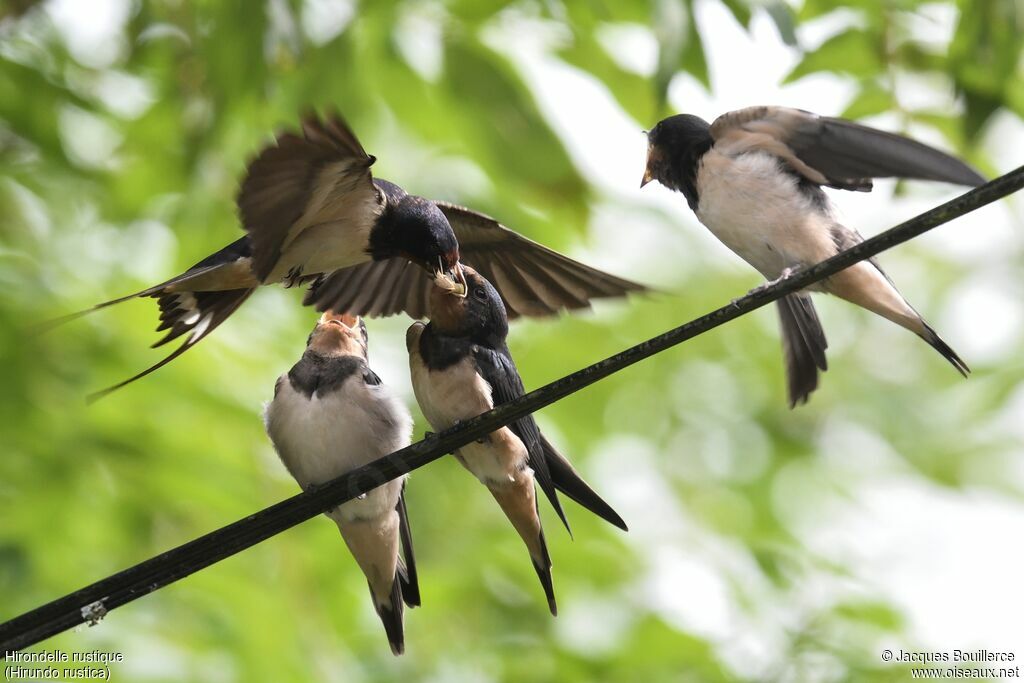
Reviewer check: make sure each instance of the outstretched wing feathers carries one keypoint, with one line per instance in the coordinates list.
(300, 181)
(531, 279)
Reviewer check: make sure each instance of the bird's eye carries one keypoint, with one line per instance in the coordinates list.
(480, 294)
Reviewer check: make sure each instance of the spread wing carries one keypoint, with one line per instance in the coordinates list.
(531, 279)
(836, 152)
(318, 177)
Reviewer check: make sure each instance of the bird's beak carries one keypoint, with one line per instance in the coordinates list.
(453, 282)
(347, 321)
(648, 174)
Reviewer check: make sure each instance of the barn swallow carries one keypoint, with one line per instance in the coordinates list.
(313, 213)
(754, 177)
(461, 367)
(331, 414)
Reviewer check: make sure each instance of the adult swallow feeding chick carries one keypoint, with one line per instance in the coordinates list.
(754, 177)
(331, 414)
(313, 212)
(461, 367)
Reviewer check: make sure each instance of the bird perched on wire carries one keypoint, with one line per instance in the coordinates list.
(754, 177)
(331, 414)
(461, 367)
(313, 213)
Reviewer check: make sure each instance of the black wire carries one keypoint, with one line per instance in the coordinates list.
(90, 603)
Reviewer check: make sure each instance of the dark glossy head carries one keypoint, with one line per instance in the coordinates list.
(414, 228)
(479, 315)
(339, 334)
(674, 147)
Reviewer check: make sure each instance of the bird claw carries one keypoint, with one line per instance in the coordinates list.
(785, 275)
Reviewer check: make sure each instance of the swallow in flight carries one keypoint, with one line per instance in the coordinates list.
(313, 213)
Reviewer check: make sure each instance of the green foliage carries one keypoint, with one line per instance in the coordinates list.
(117, 174)
(981, 62)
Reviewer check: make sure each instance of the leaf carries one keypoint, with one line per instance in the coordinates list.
(914, 57)
(984, 54)
(854, 51)
(740, 11)
(496, 114)
(785, 22)
(631, 91)
(680, 46)
(694, 61)
(872, 99)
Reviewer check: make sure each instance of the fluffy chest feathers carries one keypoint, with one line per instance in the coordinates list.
(332, 431)
(455, 393)
(458, 392)
(759, 212)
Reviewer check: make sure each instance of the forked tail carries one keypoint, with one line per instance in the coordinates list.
(195, 314)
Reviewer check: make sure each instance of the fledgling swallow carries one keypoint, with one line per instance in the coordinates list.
(313, 212)
(461, 367)
(331, 414)
(754, 177)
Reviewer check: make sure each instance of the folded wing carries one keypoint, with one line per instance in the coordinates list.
(836, 152)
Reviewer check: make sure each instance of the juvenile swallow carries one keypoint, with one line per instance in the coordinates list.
(331, 414)
(461, 367)
(754, 178)
(313, 213)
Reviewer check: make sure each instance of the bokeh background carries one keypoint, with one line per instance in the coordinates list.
(765, 543)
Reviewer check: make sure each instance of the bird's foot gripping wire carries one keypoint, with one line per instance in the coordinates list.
(785, 275)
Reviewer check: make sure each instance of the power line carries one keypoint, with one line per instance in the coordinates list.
(92, 602)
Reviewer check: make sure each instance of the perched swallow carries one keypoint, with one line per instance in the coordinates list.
(313, 212)
(331, 414)
(754, 177)
(461, 367)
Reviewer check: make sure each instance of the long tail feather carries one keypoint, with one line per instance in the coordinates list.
(407, 568)
(946, 350)
(569, 482)
(542, 565)
(803, 346)
(392, 617)
(212, 309)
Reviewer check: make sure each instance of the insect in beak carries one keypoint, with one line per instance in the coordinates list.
(453, 283)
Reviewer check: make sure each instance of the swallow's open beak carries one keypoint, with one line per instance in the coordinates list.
(347, 321)
(453, 281)
(647, 177)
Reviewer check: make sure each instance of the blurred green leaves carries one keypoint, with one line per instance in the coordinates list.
(982, 63)
(696, 446)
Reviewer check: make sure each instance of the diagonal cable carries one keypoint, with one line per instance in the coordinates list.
(90, 603)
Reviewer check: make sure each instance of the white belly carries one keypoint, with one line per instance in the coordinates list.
(319, 439)
(760, 214)
(459, 393)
